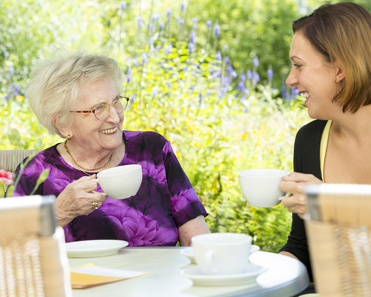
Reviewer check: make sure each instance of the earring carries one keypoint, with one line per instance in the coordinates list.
(69, 137)
(336, 81)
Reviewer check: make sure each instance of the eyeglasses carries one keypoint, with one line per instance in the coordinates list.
(102, 111)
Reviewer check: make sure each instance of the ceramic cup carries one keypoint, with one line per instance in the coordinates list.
(120, 182)
(222, 253)
(261, 187)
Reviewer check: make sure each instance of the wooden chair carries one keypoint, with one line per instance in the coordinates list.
(9, 159)
(33, 258)
(338, 227)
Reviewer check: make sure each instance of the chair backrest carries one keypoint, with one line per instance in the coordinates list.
(33, 258)
(9, 159)
(338, 227)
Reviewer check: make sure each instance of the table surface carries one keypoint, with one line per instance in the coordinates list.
(285, 276)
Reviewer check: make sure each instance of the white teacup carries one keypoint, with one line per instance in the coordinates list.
(222, 253)
(121, 182)
(261, 187)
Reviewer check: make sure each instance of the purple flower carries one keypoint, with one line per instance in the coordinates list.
(7, 76)
(240, 86)
(218, 56)
(249, 74)
(132, 98)
(200, 101)
(230, 68)
(255, 78)
(168, 12)
(136, 61)
(155, 17)
(226, 60)
(283, 91)
(255, 62)
(129, 75)
(216, 30)
(150, 42)
(180, 21)
(140, 22)
(225, 81)
(226, 47)
(161, 25)
(191, 47)
(294, 91)
(6, 54)
(11, 69)
(157, 48)
(17, 90)
(182, 6)
(270, 74)
(154, 92)
(169, 49)
(234, 74)
(209, 23)
(194, 20)
(192, 37)
(150, 27)
(123, 4)
(144, 58)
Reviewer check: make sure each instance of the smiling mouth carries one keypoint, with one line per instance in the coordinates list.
(304, 95)
(109, 131)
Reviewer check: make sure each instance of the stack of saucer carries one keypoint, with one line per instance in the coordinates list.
(211, 255)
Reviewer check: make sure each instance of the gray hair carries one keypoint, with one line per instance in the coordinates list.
(55, 85)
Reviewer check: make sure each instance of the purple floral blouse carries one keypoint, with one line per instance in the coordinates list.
(165, 200)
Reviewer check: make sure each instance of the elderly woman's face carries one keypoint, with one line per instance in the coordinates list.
(87, 131)
(314, 78)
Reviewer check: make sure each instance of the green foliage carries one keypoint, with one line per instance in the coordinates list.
(218, 123)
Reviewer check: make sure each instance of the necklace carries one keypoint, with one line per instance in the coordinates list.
(83, 168)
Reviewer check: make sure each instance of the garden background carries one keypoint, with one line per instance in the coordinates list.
(208, 75)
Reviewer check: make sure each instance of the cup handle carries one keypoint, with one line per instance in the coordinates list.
(209, 257)
(283, 197)
(96, 180)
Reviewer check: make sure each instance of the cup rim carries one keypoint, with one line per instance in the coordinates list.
(279, 173)
(105, 172)
(247, 238)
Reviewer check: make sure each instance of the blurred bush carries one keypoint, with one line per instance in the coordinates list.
(217, 104)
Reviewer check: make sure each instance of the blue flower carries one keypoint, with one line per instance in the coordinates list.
(240, 86)
(194, 20)
(218, 56)
(249, 74)
(270, 74)
(200, 101)
(168, 12)
(6, 54)
(132, 98)
(144, 58)
(226, 47)
(161, 25)
(255, 62)
(123, 4)
(192, 37)
(294, 91)
(191, 47)
(234, 74)
(157, 48)
(180, 21)
(226, 60)
(255, 78)
(129, 75)
(216, 30)
(230, 68)
(242, 77)
(182, 6)
(140, 22)
(283, 91)
(209, 23)
(11, 69)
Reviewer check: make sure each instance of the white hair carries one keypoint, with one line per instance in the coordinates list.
(55, 85)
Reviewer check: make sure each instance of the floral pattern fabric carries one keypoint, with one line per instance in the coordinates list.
(165, 199)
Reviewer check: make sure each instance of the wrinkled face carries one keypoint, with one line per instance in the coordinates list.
(314, 78)
(89, 132)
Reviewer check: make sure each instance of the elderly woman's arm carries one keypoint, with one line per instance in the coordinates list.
(192, 228)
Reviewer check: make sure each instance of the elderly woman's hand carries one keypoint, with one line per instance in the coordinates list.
(294, 184)
(77, 199)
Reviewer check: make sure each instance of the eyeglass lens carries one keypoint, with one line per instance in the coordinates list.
(102, 111)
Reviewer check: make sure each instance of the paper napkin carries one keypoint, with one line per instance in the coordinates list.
(88, 275)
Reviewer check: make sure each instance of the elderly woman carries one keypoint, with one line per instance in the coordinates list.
(78, 98)
(330, 53)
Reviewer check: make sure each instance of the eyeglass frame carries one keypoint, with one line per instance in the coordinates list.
(109, 104)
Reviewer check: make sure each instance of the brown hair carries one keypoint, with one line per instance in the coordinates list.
(342, 32)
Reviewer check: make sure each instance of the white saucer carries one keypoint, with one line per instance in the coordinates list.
(200, 279)
(94, 248)
(188, 252)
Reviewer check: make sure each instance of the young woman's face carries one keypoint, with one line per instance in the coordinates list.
(314, 78)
